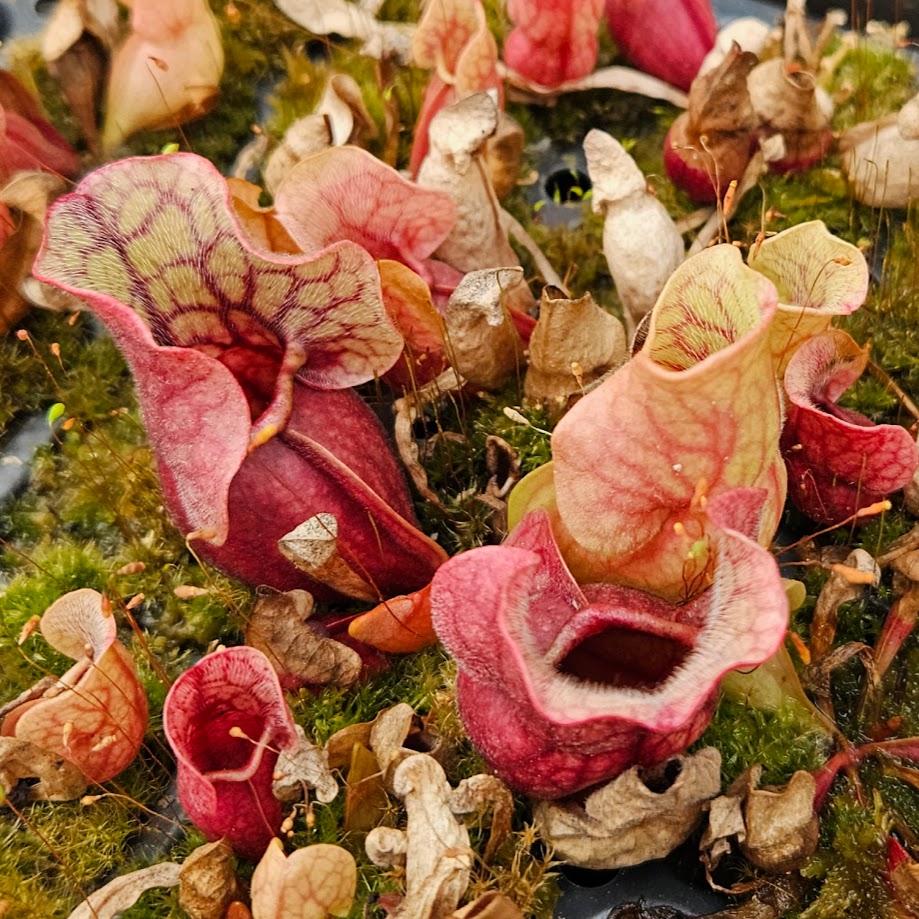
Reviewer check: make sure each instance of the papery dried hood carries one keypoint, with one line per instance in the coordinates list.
(642, 245)
(711, 143)
(881, 158)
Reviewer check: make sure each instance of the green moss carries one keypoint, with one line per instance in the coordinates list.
(850, 863)
(747, 735)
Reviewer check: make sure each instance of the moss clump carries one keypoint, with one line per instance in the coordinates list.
(850, 863)
(746, 735)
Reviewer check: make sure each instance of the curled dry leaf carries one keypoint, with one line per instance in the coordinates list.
(750, 33)
(57, 779)
(76, 44)
(776, 829)
(96, 715)
(491, 905)
(434, 847)
(207, 881)
(503, 153)
(386, 734)
(481, 793)
(24, 201)
(482, 342)
(341, 117)
(303, 767)
(351, 20)
(641, 243)
(711, 143)
(301, 655)
(881, 158)
(312, 883)
(408, 410)
(456, 166)
(628, 821)
(840, 587)
(366, 801)
(371, 751)
(574, 343)
(312, 546)
(784, 97)
(391, 728)
(118, 895)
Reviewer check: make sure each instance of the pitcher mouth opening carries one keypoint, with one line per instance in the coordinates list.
(623, 658)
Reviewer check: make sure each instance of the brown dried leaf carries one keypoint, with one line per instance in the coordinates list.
(482, 342)
(313, 547)
(408, 409)
(278, 627)
(77, 43)
(781, 826)
(503, 153)
(625, 822)
(58, 780)
(573, 344)
(491, 905)
(435, 845)
(775, 829)
(481, 793)
(305, 767)
(109, 901)
(207, 881)
(340, 745)
(456, 165)
(390, 730)
(838, 589)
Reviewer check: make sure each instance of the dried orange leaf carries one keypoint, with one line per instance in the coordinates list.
(399, 625)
